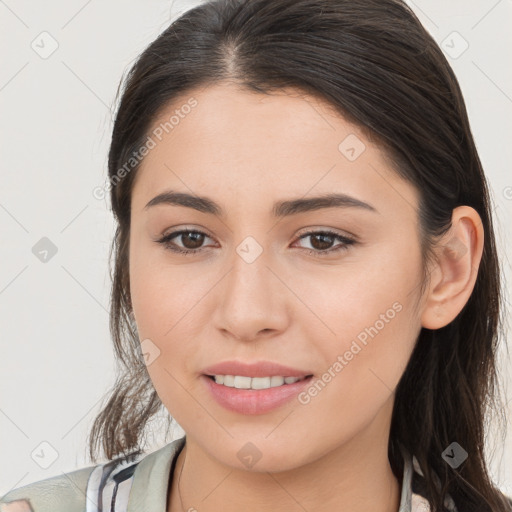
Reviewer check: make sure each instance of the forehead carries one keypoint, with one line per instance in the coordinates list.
(239, 145)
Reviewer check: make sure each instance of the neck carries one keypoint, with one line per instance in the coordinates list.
(355, 477)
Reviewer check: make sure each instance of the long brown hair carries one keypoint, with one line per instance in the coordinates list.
(374, 62)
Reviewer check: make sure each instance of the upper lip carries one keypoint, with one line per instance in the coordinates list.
(258, 369)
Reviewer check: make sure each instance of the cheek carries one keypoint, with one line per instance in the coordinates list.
(363, 361)
(163, 295)
(166, 310)
(368, 325)
(352, 297)
(169, 304)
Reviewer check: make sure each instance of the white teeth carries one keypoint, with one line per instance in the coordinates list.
(275, 381)
(241, 382)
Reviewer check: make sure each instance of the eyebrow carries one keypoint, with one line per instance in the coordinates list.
(280, 209)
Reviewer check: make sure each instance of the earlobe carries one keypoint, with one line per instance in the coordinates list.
(459, 254)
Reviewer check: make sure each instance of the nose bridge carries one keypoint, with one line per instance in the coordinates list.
(250, 278)
(248, 300)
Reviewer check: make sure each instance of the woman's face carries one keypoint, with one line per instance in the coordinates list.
(257, 290)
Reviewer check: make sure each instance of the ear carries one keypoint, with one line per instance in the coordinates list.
(453, 277)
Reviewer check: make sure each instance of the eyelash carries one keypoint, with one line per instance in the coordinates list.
(166, 242)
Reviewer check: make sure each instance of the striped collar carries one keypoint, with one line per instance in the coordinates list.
(140, 482)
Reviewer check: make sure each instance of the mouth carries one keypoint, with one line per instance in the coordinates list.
(256, 384)
(249, 395)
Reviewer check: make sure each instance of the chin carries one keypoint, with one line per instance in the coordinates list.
(259, 455)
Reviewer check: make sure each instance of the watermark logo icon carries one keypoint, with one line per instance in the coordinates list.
(44, 250)
(150, 352)
(44, 454)
(454, 455)
(456, 248)
(249, 454)
(454, 45)
(249, 249)
(44, 45)
(351, 147)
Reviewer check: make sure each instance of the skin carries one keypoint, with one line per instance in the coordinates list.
(246, 151)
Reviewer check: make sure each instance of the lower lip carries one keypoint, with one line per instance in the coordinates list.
(254, 401)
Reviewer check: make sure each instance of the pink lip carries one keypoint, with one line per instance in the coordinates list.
(259, 369)
(253, 401)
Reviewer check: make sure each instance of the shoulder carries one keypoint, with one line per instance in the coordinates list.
(63, 492)
(74, 491)
(138, 481)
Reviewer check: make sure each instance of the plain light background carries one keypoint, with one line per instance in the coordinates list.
(56, 116)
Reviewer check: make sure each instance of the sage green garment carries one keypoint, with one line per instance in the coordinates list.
(142, 486)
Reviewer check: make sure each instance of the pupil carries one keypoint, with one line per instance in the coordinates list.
(324, 245)
(198, 240)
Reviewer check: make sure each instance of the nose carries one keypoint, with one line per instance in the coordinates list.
(252, 300)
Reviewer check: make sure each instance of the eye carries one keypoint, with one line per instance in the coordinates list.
(322, 240)
(192, 240)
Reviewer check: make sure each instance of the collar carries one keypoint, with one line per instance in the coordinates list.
(143, 484)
